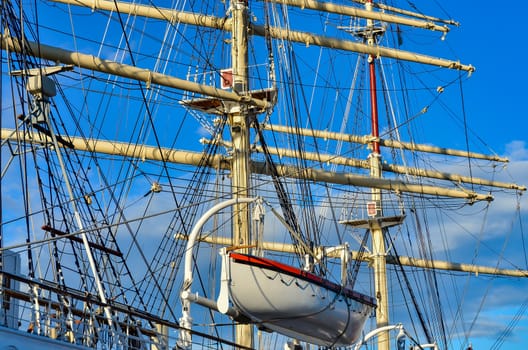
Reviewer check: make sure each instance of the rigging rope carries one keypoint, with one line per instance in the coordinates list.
(409, 287)
(284, 200)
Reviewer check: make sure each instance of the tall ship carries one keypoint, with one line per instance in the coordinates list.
(274, 174)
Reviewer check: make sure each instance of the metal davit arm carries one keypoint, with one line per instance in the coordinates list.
(186, 320)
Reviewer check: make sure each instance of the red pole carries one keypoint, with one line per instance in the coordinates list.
(374, 104)
(373, 92)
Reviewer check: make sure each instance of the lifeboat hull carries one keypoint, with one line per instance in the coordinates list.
(293, 302)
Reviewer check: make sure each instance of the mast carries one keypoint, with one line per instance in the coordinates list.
(238, 121)
(378, 242)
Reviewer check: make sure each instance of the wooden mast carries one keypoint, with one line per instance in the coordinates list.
(239, 122)
(379, 264)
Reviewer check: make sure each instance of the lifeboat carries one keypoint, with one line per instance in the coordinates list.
(291, 301)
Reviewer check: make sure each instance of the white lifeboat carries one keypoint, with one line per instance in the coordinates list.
(291, 301)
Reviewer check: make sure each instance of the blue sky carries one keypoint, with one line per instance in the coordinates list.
(491, 38)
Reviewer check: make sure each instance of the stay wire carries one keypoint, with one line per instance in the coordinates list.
(464, 116)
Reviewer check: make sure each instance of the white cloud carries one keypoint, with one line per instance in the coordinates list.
(517, 151)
